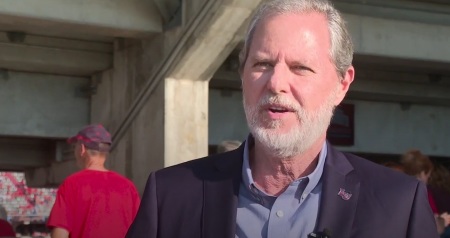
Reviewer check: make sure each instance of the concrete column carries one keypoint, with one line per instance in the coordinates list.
(170, 129)
(155, 99)
(117, 18)
(186, 121)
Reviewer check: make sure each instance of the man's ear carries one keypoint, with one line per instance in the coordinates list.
(82, 149)
(344, 84)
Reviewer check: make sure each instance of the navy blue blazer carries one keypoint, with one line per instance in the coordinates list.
(198, 199)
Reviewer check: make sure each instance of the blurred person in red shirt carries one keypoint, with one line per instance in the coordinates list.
(6, 229)
(419, 165)
(94, 202)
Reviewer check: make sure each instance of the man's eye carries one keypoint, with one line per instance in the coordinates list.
(263, 65)
(301, 68)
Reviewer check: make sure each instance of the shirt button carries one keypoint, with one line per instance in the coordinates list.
(280, 213)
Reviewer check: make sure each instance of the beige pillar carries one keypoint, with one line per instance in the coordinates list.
(155, 98)
(186, 120)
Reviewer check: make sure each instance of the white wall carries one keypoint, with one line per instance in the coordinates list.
(42, 105)
(226, 116)
(387, 128)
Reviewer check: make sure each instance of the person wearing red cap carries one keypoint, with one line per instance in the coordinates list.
(94, 202)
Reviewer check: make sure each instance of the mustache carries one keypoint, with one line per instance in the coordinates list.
(279, 101)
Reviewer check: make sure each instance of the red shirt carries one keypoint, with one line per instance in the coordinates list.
(6, 229)
(95, 204)
(432, 203)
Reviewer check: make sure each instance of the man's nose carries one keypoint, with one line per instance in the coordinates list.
(278, 81)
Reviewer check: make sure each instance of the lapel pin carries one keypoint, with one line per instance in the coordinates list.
(344, 195)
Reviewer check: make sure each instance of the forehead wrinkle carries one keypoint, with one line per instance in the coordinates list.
(265, 54)
(307, 47)
(294, 51)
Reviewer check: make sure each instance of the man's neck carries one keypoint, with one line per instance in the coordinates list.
(273, 175)
(95, 163)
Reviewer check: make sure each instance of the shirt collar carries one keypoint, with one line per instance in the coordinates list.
(314, 177)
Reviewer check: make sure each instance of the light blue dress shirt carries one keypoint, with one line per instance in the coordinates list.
(292, 214)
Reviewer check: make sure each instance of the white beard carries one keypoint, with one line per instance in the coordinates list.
(311, 126)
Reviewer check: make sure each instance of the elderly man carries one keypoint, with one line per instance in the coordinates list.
(94, 202)
(286, 180)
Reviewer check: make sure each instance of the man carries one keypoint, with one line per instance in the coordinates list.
(6, 229)
(94, 202)
(286, 180)
(420, 166)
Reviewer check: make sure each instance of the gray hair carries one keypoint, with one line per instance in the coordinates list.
(341, 51)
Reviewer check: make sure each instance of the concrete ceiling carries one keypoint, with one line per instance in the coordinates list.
(445, 2)
(94, 19)
(406, 3)
(48, 38)
(72, 37)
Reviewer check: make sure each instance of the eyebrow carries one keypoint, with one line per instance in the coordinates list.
(297, 62)
(263, 56)
(268, 57)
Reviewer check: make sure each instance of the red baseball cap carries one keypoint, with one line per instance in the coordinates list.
(91, 136)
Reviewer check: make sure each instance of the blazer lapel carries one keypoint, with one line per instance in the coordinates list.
(340, 191)
(220, 196)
